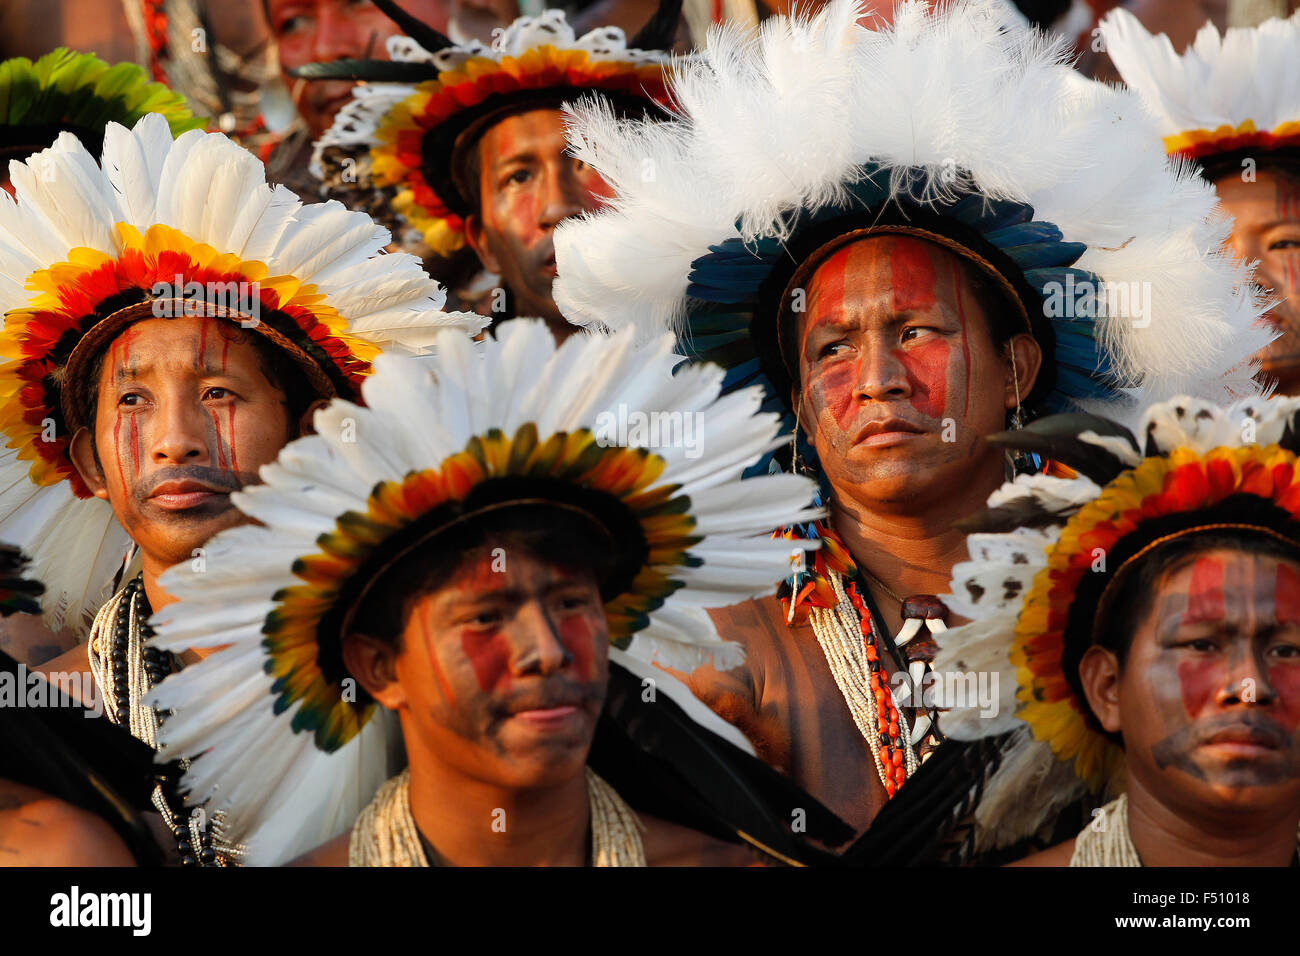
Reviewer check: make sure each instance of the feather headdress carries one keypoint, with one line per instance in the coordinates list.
(945, 125)
(427, 104)
(1226, 93)
(1034, 585)
(523, 422)
(85, 251)
(78, 93)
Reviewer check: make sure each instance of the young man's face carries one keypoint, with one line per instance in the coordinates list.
(502, 670)
(1267, 229)
(318, 31)
(1208, 701)
(899, 378)
(527, 186)
(185, 415)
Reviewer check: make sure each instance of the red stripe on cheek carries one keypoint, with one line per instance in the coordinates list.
(926, 367)
(911, 276)
(578, 638)
(230, 437)
(1198, 680)
(216, 440)
(489, 656)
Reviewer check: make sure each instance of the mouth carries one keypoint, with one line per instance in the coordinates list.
(1245, 740)
(546, 714)
(887, 431)
(181, 495)
(548, 266)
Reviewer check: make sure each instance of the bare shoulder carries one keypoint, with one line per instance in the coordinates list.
(667, 844)
(25, 638)
(1058, 855)
(39, 830)
(333, 853)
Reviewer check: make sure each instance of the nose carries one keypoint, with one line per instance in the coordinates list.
(1246, 682)
(566, 193)
(182, 433)
(538, 649)
(881, 375)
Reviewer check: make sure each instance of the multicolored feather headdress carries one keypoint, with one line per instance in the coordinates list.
(1034, 588)
(423, 108)
(524, 422)
(946, 126)
(167, 228)
(78, 93)
(1239, 91)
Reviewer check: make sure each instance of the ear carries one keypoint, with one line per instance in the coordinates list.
(476, 236)
(82, 452)
(1025, 355)
(305, 424)
(374, 666)
(1099, 675)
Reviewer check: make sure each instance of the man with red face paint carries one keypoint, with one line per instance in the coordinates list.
(477, 586)
(168, 355)
(1246, 142)
(1175, 658)
(904, 285)
(478, 155)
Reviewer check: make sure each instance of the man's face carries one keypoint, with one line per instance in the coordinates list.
(318, 31)
(899, 379)
(1267, 228)
(503, 670)
(528, 186)
(185, 416)
(1209, 698)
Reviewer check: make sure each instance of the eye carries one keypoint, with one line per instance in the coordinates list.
(914, 332)
(1288, 243)
(131, 399)
(832, 349)
(1201, 645)
(575, 602)
(217, 393)
(1287, 652)
(486, 618)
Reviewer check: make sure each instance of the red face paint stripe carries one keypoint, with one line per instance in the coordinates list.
(911, 275)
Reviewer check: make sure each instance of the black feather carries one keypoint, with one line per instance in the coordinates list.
(931, 818)
(1026, 512)
(665, 764)
(660, 31)
(1290, 439)
(1057, 437)
(415, 28)
(92, 764)
(375, 71)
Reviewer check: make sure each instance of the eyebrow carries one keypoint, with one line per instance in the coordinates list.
(137, 370)
(524, 156)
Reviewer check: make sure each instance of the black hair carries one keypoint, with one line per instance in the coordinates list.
(553, 536)
(1285, 161)
(276, 364)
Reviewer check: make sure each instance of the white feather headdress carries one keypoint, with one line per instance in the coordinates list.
(945, 113)
(265, 715)
(81, 253)
(1235, 91)
(1038, 576)
(448, 90)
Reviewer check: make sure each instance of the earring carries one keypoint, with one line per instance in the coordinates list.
(1018, 462)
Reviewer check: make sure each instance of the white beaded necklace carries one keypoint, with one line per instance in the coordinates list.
(385, 833)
